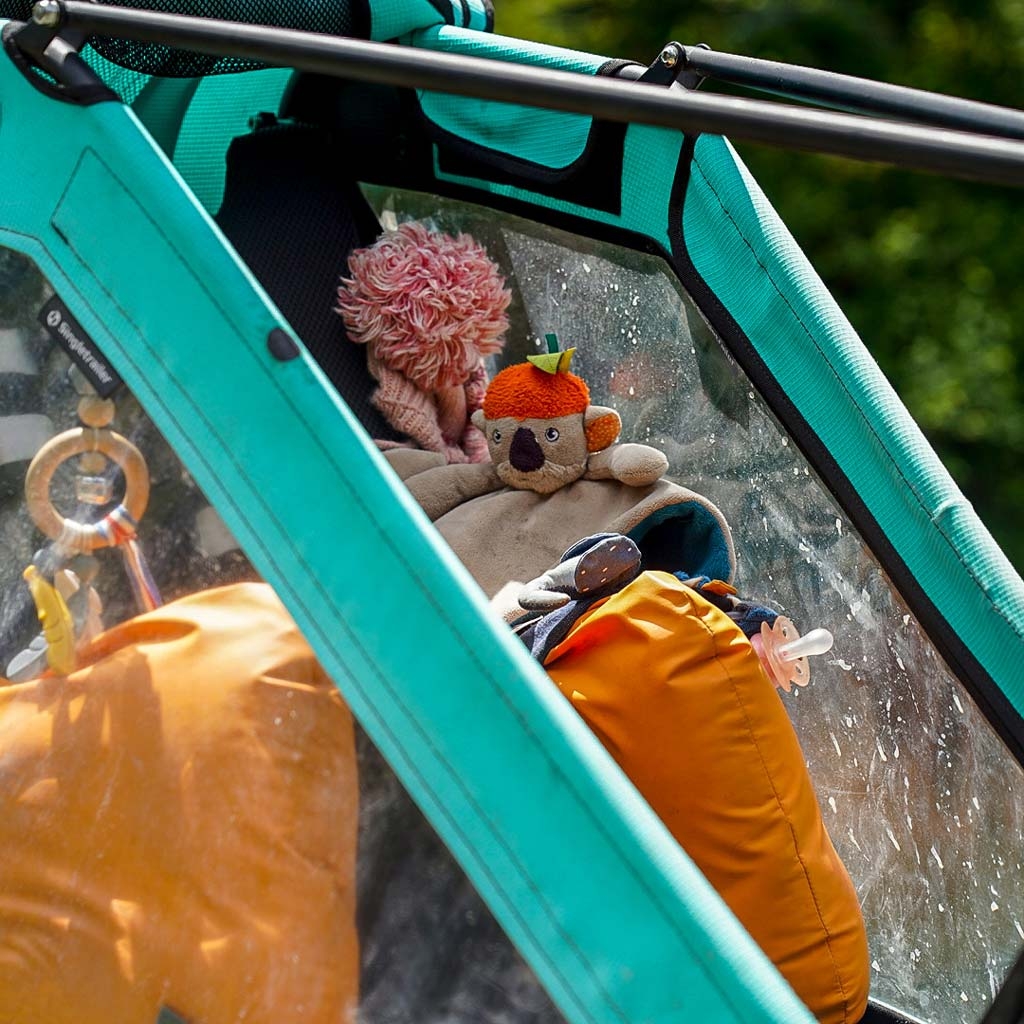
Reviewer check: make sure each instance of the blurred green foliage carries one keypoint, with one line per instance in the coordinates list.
(927, 269)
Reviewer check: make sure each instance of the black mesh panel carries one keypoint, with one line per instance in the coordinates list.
(294, 217)
(331, 17)
(16, 10)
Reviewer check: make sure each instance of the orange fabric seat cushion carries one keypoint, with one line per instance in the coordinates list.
(178, 825)
(675, 692)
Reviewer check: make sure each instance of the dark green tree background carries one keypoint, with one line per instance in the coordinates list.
(927, 269)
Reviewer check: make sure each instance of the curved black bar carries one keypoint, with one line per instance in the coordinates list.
(957, 154)
(73, 81)
(854, 95)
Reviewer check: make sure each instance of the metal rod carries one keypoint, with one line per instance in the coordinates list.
(922, 148)
(856, 95)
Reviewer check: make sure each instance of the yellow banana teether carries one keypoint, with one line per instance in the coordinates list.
(54, 617)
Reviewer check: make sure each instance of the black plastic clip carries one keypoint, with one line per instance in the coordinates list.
(45, 42)
(672, 65)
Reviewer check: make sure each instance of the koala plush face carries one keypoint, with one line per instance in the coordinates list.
(539, 455)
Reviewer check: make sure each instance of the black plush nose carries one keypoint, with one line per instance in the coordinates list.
(524, 453)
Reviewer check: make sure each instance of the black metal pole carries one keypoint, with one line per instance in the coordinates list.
(856, 95)
(929, 149)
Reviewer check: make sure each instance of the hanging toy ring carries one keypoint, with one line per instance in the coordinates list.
(112, 529)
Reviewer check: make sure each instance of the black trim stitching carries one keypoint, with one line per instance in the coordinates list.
(993, 703)
(446, 9)
(488, 14)
(593, 179)
(413, 178)
(362, 19)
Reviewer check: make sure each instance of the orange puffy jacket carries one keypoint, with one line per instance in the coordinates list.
(675, 692)
(178, 826)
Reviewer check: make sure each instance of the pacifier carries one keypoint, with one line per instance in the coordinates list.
(784, 652)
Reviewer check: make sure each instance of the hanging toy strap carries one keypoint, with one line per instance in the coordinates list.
(121, 529)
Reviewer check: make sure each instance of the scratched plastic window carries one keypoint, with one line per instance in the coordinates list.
(921, 798)
(191, 823)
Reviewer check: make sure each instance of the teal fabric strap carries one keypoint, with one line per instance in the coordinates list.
(553, 139)
(221, 110)
(390, 19)
(544, 137)
(481, 15)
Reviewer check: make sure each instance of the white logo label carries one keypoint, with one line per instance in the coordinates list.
(53, 317)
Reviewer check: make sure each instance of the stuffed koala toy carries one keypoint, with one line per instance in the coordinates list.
(558, 475)
(543, 433)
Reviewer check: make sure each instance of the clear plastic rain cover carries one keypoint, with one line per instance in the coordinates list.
(921, 798)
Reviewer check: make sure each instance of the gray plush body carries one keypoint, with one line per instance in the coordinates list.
(506, 535)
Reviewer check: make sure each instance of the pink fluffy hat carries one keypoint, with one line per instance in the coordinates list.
(429, 308)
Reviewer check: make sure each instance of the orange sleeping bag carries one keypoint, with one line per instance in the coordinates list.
(675, 692)
(178, 826)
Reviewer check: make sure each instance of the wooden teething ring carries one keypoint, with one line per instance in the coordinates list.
(85, 537)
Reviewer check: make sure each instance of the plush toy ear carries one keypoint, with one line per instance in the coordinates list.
(479, 419)
(602, 426)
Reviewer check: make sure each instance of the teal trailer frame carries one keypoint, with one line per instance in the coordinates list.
(614, 918)
(610, 913)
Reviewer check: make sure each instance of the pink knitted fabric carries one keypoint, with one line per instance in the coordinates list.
(429, 308)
